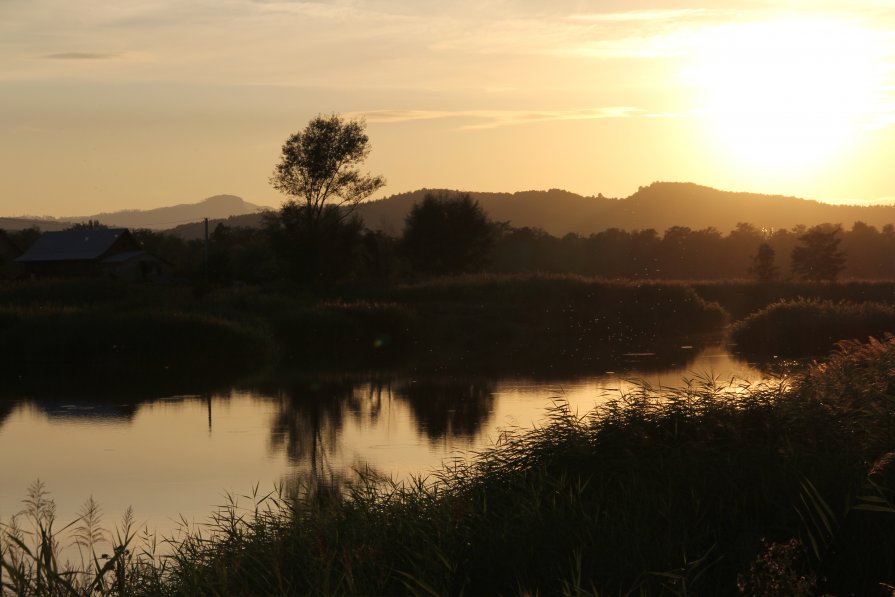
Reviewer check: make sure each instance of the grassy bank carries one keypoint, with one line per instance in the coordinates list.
(496, 323)
(538, 325)
(542, 323)
(773, 490)
(744, 297)
(810, 327)
(87, 346)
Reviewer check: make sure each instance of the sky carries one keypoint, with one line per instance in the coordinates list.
(106, 106)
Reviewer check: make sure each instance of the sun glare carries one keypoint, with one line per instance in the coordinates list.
(787, 95)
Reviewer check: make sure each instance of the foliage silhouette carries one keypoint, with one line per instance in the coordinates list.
(318, 170)
(810, 327)
(328, 251)
(318, 167)
(447, 234)
(819, 257)
(763, 267)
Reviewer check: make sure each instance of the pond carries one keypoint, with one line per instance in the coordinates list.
(175, 458)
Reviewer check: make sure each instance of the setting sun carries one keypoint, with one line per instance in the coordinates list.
(788, 95)
(388, 297)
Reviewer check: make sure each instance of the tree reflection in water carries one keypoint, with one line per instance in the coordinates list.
(308, 423)
(448, 408)
(6, 407)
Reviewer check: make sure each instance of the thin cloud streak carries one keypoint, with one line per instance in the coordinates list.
(649, 15)
(501, 118)
(80, 56)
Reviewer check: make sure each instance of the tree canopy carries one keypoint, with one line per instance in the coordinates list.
(763, 267)
(445, 234)
(319, 166)
(319, 170)
(818, 257)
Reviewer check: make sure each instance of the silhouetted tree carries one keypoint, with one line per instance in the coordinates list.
(447, 235)
(740, 248)
(329, 251)
(524, 249)
(763, 267)
(869, 252)
(24, 238)
(818, 257)
(318, 169)
(379, 256)
(240, 253)
(88, 225)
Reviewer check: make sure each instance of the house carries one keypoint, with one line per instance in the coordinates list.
(109, 252)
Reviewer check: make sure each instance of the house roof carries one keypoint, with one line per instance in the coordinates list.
(125, 257)
(73, 245)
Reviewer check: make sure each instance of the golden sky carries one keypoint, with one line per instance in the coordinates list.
(126, 104)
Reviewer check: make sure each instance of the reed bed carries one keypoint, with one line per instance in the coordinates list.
(810, 327)
(777, 489)
(741, 298)
(490, 322)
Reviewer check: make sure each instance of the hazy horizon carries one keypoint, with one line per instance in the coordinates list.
(888, 201)
(108, 107)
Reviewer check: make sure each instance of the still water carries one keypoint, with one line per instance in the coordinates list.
(175, 458)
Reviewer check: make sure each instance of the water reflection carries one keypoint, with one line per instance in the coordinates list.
(309, 417)
(6, 406)
(448, 408)
(101, 411)
(178, 455)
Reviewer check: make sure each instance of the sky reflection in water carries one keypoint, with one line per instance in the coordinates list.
(181, 455)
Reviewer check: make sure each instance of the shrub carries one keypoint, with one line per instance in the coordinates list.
(809, 327)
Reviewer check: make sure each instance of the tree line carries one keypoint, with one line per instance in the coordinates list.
(316, 237)
(449, 234)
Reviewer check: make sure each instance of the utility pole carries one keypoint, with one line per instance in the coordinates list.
(206, 250)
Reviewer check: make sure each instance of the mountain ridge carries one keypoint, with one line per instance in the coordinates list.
(215, 207)
(660, 205)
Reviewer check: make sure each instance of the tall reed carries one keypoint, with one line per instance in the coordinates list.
(713, 489)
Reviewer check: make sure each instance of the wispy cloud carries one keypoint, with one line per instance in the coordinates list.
(488, 119)
(80, 56)
(648, 15)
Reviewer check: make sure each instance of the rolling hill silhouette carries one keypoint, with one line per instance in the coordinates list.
(217, 207)
(162, 218)
(660, 206)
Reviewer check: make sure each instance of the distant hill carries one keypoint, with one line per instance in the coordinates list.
(196, 230)
(665, 204)
(660, 205)
(556, 211)
(217, 207)
(162, 218)
(45, 224)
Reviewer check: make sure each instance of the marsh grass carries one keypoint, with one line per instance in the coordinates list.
(45, 341)
(741, 298)
(712, 489)
(32, 560)
(810, 327)
(512, 324)
(548, 321)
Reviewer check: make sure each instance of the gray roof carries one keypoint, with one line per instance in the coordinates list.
(73, 245)
(125, 257)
